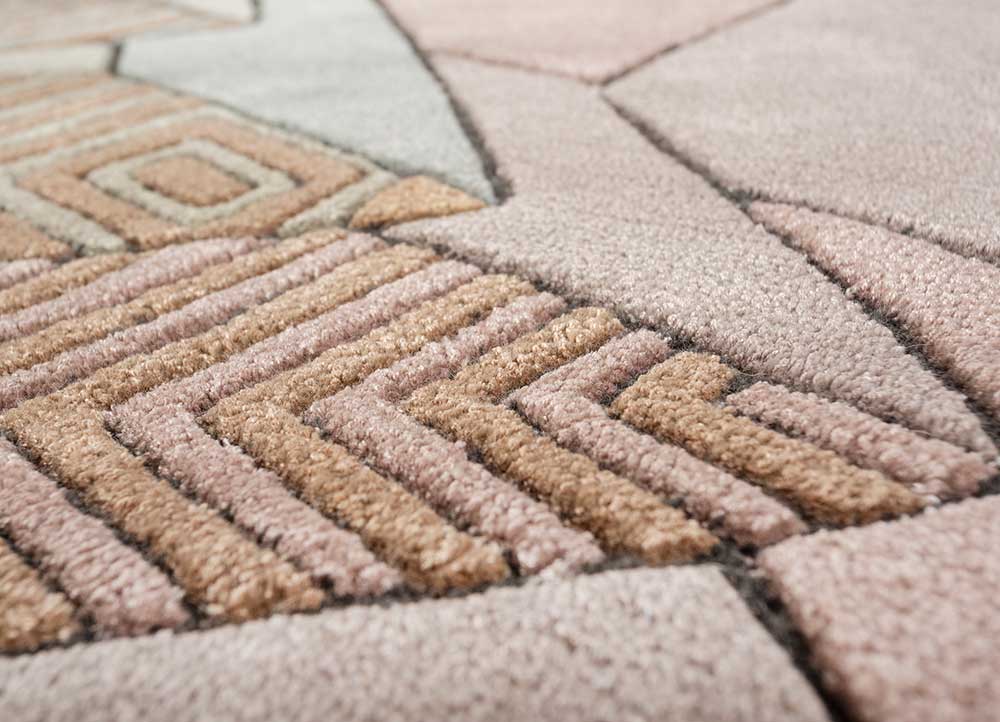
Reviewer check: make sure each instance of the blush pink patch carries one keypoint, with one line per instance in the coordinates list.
(950, 304)
(663, 644)
(901, 617)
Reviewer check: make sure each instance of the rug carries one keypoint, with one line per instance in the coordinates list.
(292, 430)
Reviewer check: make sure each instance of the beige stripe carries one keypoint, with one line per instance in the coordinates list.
(59, 280)
(19, 239)
(45, 89)
(623, 516)
(672, 402)
(60, 109)
(30, 615)
(156, 105)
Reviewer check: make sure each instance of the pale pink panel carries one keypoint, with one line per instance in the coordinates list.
(902, 617)
(650, 644)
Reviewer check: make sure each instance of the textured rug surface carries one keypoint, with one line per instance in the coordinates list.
(489, 361)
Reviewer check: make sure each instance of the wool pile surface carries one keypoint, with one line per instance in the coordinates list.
(294, 430)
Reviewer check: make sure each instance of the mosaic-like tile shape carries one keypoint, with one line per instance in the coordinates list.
(267, 425)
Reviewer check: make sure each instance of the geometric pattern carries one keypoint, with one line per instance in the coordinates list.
(244, 427)
(241, 422)
(225, 396)
(100, 164)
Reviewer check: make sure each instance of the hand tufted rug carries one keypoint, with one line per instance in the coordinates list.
(289, 430)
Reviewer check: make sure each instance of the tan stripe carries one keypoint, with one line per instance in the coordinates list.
(44, 345)
(190, 180)
(672, 402)
(118, 383)
(108, 91)
(295, 390)
(19, 239)
(156, 105)
(59, 280)
(402, 529)
(30, 615)
(219, 569)
(44, 90)
(623, 516)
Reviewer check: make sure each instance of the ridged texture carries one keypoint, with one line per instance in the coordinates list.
(367, 420)
(30, 614)
(673, 401)
(621, 515)
(929, 466)
(566, 404)
(108, 580)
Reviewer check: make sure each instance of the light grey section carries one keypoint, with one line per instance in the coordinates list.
(885, 111)
(336, 69)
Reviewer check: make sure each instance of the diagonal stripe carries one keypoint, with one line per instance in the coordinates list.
(398, 526)
(30, 615)
(120, 286)
(109, 581)
(188, 321)
(672, 403)
(61, 280)
(929, 466)
(218, 568)
(624, 517)
(565, 404)
(15, 272)
(162, 426)
(367, 422)
(251, 258)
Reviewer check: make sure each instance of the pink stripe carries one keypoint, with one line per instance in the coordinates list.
(295, 345)
(192, 319)
(929, 466)
(564, 403)
(366, 421)
(161, 424)
(108, 580)
(14, 272)
(227, 479)
(156, 269)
